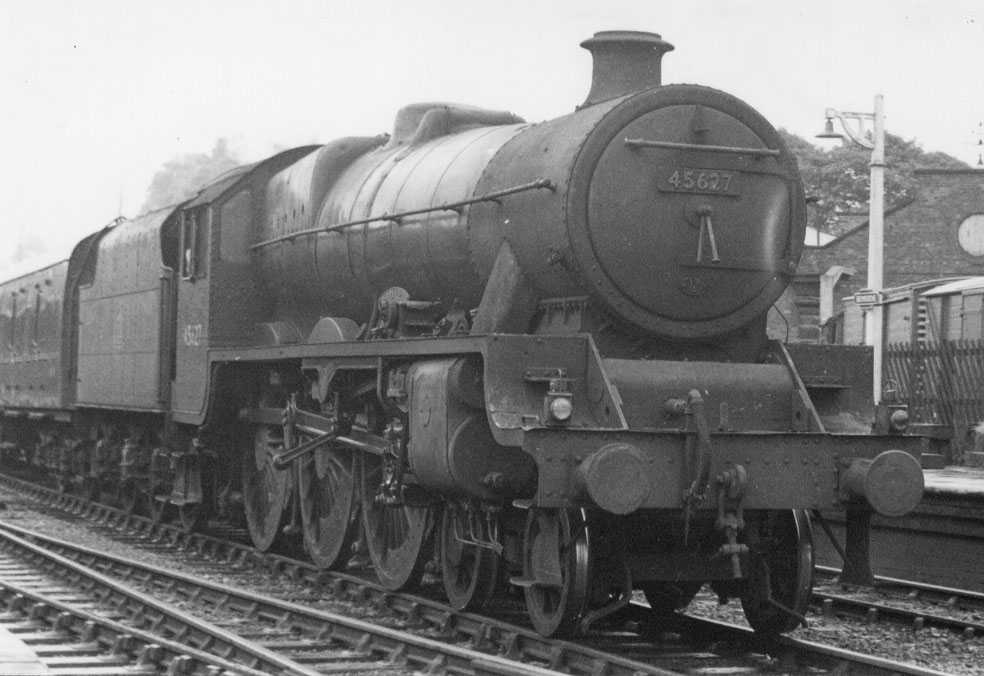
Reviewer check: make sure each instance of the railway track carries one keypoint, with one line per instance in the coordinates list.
(71, 631)
(969, 604)
(44, 568)
(271, 636)
(67, 640)
(636, 645)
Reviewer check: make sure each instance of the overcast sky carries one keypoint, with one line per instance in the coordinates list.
(96, 95)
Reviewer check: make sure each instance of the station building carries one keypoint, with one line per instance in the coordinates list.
(939, 235)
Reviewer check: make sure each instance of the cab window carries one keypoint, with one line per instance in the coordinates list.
(194, 243)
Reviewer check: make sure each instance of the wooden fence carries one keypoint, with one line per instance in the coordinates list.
(943, 382)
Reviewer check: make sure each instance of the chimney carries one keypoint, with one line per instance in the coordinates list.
(624, 62)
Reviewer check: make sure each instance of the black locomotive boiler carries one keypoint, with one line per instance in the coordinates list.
(535, 353)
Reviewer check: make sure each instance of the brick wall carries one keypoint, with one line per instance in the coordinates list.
(920, 244)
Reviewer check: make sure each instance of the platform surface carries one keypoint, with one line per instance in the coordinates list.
(16, 657)
(959, 481)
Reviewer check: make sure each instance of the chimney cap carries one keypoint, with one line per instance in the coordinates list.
(624, 62)
(627, 37)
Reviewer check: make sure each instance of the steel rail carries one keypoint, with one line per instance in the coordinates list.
(305, 622)
(873, 611)
(65, 629)
(417, 652)
(143, 608)
(837, 660)
(950, 595)
(514, 642)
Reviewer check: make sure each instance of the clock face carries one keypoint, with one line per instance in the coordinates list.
(971, 235)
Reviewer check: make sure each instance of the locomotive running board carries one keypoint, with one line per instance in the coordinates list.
(514, 404)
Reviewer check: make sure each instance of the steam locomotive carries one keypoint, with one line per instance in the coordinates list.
(533, 353)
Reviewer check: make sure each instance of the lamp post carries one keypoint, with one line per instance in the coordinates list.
(857, 565)
(876, 219)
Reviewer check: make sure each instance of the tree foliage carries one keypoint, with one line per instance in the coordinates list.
(840, 177)
(183, 176)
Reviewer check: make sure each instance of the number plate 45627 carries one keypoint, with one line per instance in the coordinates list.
(709, 181)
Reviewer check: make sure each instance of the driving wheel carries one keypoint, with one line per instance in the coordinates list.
(266, 490)
(396, 532)
(326, 485)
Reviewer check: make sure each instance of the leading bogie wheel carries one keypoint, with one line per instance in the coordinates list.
(326, 489)
(397, 533)
(781, 568)
(469, 571)
(556, 569)
(266, 490)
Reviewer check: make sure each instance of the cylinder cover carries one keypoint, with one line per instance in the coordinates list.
(451, 447)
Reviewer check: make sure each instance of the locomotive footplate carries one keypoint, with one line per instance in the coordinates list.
(622, 471)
